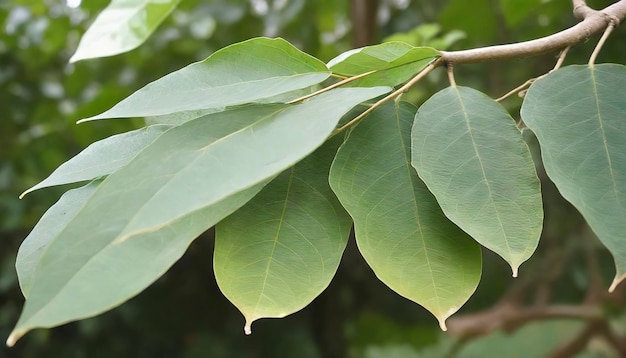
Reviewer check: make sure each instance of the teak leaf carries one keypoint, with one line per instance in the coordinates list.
(102, 157)
(277, 253)
(246, 72)
(579, 116)
(392, 62)
(400, 230)
(473, 158)
(122, 26)
(187, 180)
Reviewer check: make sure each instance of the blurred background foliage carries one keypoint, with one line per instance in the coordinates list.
(183, 314)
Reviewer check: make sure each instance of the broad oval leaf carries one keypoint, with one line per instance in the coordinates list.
(102, 157)
(122, 26)
(277, 253)
(400, 230)
(392, 62)
(246, 72)
(187, 180)
(579, 116)
(473, 158)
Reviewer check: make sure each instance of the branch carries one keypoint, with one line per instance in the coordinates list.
(510, 317)
(593, 22)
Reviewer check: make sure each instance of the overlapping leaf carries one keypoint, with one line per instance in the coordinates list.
(102, 157)
(187, 180)
(400, 230)
(49, 226)
(278, 252)
(81, 274)
(246, 72)
(393, 63)
(579, 116)
(122, 26)
(469, 152)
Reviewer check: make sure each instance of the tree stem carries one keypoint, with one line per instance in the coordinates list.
(593, 22)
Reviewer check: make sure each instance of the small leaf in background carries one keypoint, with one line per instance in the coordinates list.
(122, 26)
(141, 218)
(579, 116)
(400, 230)
(394, 63)
(278, 252)
(246, 72)
(473, 158)
(428, 35)
(102, 157)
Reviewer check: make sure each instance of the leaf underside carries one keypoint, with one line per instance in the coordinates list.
(400, 230)
(578, 114)
(186, 181)
(471, 155)
(247, 72)
(274, 255)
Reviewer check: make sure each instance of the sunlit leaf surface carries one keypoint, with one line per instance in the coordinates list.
(122, 26)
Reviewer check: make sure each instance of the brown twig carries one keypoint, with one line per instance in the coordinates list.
(510, 317)
(393, 95)
(594, 22)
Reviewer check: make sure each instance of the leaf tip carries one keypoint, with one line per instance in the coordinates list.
(85, 120)
(15, 335)
(515, 270)
(247, 329)
(442, 324)
(616, 281)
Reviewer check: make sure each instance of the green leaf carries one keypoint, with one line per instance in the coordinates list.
(50, 225)
(80, 275)
(578, 114)
(122, 26)
(281, 250)
(102, 157)
(246, 72)
(400, 230)
(471, 155)
(187, 180)
(394, 63)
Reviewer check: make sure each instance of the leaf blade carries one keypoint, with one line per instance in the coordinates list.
(472, 157)
(392, 63)
(577, 114)
(111, 275)
(246, 72)
(281, 250)
(101, 158)
(411, 246)
(122, 26)
(122, 211)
